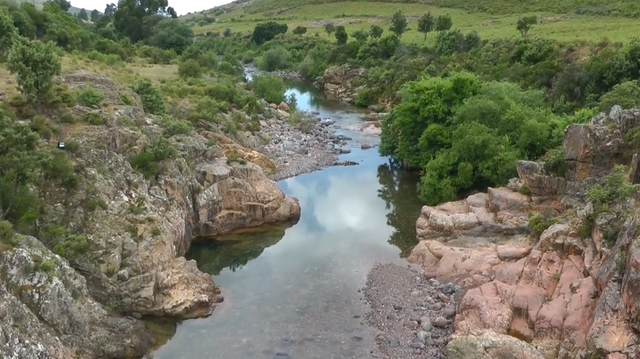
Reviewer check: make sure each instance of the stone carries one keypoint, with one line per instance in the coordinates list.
(440, 322)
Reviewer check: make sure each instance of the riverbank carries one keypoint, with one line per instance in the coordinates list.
(414, 314)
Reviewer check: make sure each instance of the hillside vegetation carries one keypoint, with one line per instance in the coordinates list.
(565, 20)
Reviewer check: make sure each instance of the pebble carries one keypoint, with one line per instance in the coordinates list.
(411, 325)
(443, 297)
(450, 311)
(440, 322)
(448, 289)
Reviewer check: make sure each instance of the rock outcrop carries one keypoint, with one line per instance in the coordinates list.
(341, 82)
(137, 225)
(566, 294)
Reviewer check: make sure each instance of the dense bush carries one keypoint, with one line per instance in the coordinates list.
(269, 88)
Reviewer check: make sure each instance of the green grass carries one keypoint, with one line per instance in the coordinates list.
(357, 15)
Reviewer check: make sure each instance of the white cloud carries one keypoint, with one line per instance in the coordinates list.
(181, 7)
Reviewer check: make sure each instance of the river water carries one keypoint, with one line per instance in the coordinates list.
(293, 291)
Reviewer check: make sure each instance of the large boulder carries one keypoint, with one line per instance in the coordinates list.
(341, 82)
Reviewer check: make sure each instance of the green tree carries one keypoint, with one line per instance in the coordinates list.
(398, 23)
(8, 32)
(63, 4)
(525, 24)
(267, 31)
(268, 87)
(341, 35)
(172, 34)
(83, 15)
(35, 64)
(426, 24)
(376, 32)
(300, 30)
(444, 22)
(135, 19)
(360, 35)
(329, 28)
(95, 16)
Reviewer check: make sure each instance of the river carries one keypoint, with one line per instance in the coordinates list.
(292, 291)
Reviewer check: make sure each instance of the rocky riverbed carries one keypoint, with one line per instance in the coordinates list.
(307, 147)
(413, 313)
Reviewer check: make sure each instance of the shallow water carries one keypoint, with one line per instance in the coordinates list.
(294, 289)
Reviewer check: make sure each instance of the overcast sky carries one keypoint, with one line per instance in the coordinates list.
(181, 6)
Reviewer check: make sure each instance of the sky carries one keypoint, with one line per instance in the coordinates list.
(181, 6)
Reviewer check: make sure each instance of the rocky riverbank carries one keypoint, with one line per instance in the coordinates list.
(547, 271)
(413, 313)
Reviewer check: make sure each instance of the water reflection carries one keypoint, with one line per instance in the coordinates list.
(398, 190)
(235, 250)
(300, 295)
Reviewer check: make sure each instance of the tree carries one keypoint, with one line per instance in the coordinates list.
(267, 31)
(329, 28)
(8, 32)
(172, 34)
(300, 30)
(360, 35)
(110, 10)
(341, 35)
(376, 32)
(35, 64)
(444, 22)
(135, 19)
(525, 24)
(83, 15)
(227, 32)
(95, 15)
(398, 23)
(426, 24)
(64, 4)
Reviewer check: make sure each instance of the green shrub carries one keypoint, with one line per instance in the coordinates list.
(67, 117)
(126, 99)
(174, 126)
(524, 190)
(189, 69)
(90, 97)
(615, 189)
(538, 224)
(268, 87)
(72, 146)
(7, 235)
(94, 118)
(152, 101)
(96, 202)
(47, 266)
(66, 244)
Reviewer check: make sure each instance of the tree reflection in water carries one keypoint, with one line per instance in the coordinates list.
(401, 198)
(235, 250)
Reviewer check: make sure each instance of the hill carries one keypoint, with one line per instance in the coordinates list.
(564, 20)
(38, 4)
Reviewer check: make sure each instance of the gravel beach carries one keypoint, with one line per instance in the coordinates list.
(414, 315)
(296, 152)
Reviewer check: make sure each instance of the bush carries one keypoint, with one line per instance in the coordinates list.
(173, 126)
(7, 235)
(538, 224)
(275, 59)
(90, 97)
(268, 87)
(189, 69)
(615, 189)
(152, 101)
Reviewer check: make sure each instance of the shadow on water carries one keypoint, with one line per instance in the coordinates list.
(235, 250)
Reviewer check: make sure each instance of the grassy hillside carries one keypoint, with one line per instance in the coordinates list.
(564, 20)
(38, 4)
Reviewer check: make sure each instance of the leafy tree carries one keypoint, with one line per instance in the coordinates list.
(398, 23)
(360, 35)
(426, 24)
(267, 31)
(376, 32)
(172, 34)
(35, 64)
(341, 35)
(525, 24)
(83, 15)
(444, 22)
(329, 28)
(227, 32)
(8, 32)
(63, 4)
(110, 10)
(135, 19)
(95, 16)
(300, 30)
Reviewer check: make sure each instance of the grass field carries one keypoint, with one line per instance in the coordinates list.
(356, 15)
